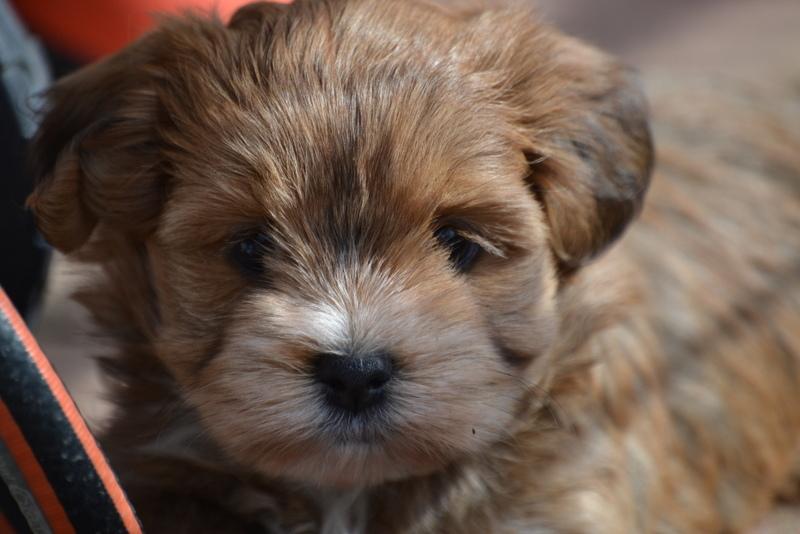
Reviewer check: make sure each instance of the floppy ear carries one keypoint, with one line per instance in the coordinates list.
(95, 155)
(584, 129)
(600, 160)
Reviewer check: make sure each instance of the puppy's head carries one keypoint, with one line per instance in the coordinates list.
(356, 216)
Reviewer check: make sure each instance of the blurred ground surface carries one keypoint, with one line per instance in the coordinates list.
(731, 38)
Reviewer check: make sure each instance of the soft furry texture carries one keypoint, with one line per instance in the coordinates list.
(549, 389)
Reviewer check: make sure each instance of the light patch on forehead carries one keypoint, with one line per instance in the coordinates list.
(345, 317)
(329, 325)
(365, 310)
(337, 319)
(341, 328)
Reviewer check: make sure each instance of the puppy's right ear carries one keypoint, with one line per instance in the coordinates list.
(95, 155)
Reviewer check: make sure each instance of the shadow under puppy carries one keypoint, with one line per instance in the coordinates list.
(351, 256)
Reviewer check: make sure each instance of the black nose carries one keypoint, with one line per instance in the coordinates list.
(354, 383)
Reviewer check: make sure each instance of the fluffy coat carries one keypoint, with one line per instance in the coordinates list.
(561, 385)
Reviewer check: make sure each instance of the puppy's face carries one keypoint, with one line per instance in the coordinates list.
(355, 219)
(363, 293)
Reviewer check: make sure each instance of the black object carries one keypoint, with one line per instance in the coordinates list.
(53, 475)
(354, 383)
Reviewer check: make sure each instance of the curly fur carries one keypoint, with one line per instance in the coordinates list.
(562, 385)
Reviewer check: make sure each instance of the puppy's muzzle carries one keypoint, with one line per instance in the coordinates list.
(353, 383)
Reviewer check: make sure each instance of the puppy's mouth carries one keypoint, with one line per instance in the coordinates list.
(350, 420)
(367, 428)
(361, 419)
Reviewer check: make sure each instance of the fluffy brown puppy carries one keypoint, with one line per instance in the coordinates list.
(352, 262)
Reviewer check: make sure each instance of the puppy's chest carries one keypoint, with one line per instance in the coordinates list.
(276, 509)
(343, 512)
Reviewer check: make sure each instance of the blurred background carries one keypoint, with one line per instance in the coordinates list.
(675, 39)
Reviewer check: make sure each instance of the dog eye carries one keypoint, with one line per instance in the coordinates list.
(248, 253)
(463, 252)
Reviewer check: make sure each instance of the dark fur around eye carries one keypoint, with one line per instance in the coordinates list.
(248, 251)
(463, 252)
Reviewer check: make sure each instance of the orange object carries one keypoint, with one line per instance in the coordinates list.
(15, 441)
(35, 477)
(89, 29)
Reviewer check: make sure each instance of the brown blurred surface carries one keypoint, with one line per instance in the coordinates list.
(730, 38)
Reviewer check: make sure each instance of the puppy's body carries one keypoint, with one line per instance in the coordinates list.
(692, 412)
(548, 389)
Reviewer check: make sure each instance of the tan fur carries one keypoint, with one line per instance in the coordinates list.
(553, 388)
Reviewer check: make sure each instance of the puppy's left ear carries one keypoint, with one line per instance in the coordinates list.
(585, 133)
(95, 156)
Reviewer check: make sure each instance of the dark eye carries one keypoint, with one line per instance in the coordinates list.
(248, 253)
(463, 252)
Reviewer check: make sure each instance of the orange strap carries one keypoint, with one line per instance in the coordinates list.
(89, 29)
(28, 463)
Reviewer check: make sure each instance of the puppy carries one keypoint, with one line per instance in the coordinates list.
(357, 262)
